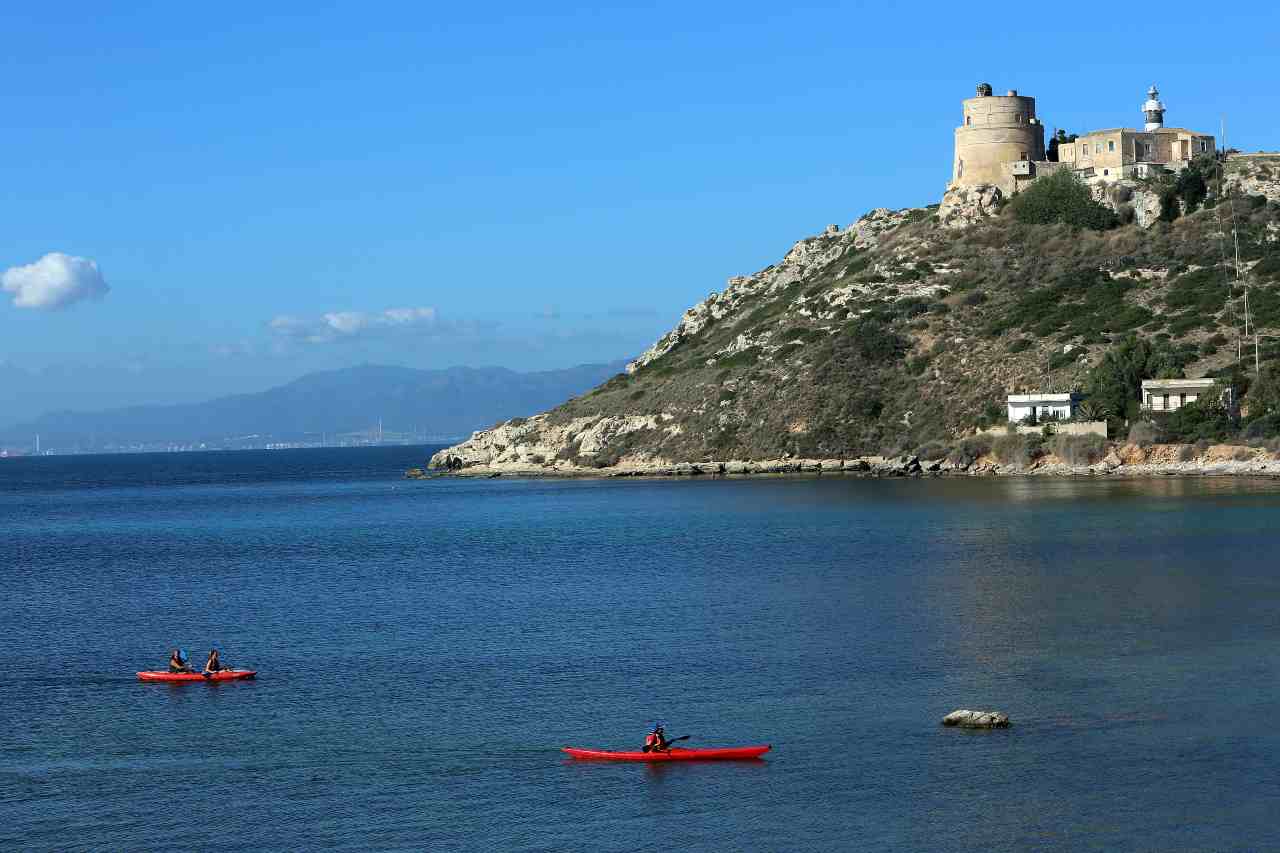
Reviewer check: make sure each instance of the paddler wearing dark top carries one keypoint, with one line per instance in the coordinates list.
(656, 740)
(176, 663)
(213, 664)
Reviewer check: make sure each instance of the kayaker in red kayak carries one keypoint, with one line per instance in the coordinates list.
(213, 664)
(177, 663)
(656, 740)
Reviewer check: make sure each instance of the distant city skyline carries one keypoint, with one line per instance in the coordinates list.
(199, 205)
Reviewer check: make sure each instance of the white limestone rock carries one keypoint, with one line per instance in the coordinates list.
(802, 258)
(1254, 174)
(965, 206)
(967, 719)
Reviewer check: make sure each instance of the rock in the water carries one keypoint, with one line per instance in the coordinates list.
(966, 719)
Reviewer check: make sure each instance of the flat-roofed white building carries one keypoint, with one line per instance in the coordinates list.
(1169, 395)
(1037, 407)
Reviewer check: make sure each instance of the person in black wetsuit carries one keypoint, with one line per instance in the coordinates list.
(176, 663)
(656, 740)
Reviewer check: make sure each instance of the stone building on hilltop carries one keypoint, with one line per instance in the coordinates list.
(1001, 143)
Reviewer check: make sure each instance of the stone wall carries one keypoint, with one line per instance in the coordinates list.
(1070, 428)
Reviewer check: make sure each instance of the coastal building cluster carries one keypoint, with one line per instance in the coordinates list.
(1158, 395)
(1001, 142)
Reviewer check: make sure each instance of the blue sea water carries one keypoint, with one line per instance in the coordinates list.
(425, 649)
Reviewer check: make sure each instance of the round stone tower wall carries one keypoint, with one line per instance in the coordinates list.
(996, 131)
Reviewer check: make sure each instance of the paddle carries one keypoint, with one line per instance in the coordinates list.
(646, 747)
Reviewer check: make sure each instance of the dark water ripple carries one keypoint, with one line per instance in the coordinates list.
(426, 648)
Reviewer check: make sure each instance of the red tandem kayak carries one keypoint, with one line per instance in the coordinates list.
(674, 754)
(224, 675)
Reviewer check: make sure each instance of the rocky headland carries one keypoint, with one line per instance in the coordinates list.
(881, 348)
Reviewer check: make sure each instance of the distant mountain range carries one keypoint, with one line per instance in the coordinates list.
(432, 403)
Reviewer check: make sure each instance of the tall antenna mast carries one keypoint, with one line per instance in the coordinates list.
(1235, 243)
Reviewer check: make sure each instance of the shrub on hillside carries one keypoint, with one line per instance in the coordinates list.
(931, 451)
(1144, 433)
(1203, 420)
(875, 341)
(1079, 449)
(1268, 267)
(1267, 426)
(1264, 393)
(1061, 197)
(970, 450)
(1016, 449)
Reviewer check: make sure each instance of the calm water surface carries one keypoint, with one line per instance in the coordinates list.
(425, 648)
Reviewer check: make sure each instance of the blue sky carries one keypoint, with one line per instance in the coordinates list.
(538, 185)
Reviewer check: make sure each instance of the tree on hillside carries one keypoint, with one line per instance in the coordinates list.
(1190, 188)
(1202, 420)
(1062, 197)
(1264, 393)
(1115, 383)
(1059, 139)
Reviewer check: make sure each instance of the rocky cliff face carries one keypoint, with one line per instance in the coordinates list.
(1254, 175)
(866, 343)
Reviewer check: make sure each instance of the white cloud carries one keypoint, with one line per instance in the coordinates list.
(345, 325)
(55, 281)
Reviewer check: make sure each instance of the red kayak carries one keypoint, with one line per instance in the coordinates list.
(224, 675)
(673, 754)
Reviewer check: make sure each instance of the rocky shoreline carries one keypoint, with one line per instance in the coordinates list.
(1121, 461)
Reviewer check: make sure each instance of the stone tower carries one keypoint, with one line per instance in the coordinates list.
(998, 132)
(1153, 109)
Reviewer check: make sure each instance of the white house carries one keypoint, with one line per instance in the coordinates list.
(1037, 407)
(1167, 395)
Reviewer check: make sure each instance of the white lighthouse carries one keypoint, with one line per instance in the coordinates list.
(1153, 109)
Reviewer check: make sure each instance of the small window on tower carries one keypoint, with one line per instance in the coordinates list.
(968, 121)
(1111, 145)
(1024, 156)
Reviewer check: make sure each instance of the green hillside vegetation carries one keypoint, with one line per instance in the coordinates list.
(915, 342)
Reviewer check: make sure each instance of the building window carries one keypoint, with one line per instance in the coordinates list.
(960, 169)
(968, 121)
(1106, 172)
(1024, 156)
(1019, 118)
(1084, 150)
(1204, 145)
(1111, 145)
(1097, 148)
(1166, 401)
